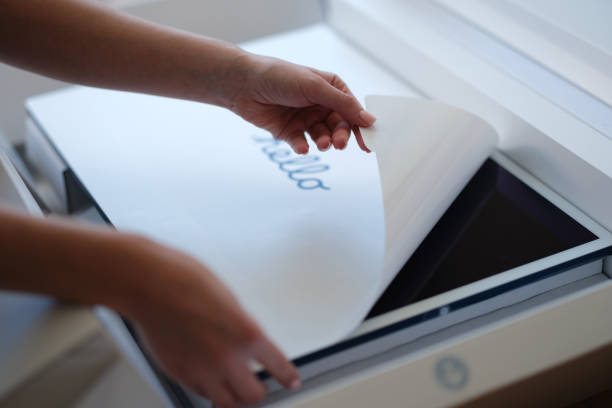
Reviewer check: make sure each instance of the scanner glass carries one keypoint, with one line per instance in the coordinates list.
(497, 223)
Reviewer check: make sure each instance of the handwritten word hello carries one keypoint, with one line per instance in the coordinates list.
(301, 169)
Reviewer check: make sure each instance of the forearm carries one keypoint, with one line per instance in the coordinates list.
(83, 42)
(66, 260)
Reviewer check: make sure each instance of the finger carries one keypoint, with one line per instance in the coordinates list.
(297, 141)
(333, 93)
(234, 393)
(333, 79)
(222, 397)
(340, 128)
(312, 115)
(344, 103)
(321, 135)
(201, 390)
(359, 139)
(277, 365)
(298, 123)
(244, 385)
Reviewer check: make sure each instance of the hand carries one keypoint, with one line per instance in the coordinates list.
(288, 100)
(199, 333)
(188, 319)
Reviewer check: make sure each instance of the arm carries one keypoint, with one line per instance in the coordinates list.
(81, 41)
(88, 43)
(189, 320)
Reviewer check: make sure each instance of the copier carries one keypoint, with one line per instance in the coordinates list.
(532, 227)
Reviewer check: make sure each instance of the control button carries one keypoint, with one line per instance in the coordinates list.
(452, 373)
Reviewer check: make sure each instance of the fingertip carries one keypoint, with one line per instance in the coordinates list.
(223, 397)
(340, 143)
(294, 377)
(243, 383)
(293, 381)
(341, 133)
(275, 362)
(359, 139)
(255, 393)
(324, 143)
(295, 384)
(300, 147)
(287, 375)
(367, 119)
(364, 147)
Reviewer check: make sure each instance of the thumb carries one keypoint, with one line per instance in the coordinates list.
(344, 103)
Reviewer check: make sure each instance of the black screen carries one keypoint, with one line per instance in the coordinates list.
(495, 224)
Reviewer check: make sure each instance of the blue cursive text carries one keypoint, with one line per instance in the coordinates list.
(304, 170)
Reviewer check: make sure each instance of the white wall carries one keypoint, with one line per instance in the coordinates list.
(232, 20)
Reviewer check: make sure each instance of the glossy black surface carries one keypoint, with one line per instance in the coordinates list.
(495, 224)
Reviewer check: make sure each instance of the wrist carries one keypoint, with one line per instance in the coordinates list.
(224, 72)
(151, 275)
(239, 74)
(133, 271)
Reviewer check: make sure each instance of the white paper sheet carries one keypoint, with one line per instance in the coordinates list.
(302, 261)
(300, 241)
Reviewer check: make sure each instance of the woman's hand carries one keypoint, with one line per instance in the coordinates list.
(188, 319)
(289, 100)
(198, 332)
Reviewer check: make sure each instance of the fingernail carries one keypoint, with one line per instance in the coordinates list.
(295, 384)
(367, 117)
(343, 125)
(325, 147)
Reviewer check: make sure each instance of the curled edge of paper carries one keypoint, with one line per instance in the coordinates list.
(427, 152)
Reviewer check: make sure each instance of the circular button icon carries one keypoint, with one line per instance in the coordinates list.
(452, 373)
